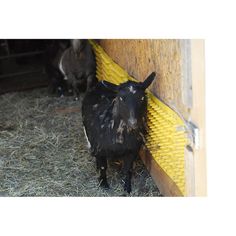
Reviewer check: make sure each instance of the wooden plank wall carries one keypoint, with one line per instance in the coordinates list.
(141, 57)
(179, 65)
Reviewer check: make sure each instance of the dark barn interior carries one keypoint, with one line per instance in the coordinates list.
(43, 150)
(20, 60)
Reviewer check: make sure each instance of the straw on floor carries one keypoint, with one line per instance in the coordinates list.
(43, 151)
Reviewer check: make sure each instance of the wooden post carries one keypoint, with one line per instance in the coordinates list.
(198, 115)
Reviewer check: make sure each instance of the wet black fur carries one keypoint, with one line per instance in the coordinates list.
(103, 110)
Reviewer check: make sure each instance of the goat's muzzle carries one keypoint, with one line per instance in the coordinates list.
(132, 123)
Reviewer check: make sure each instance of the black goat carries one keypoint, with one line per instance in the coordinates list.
(114, 117)
(78, 66)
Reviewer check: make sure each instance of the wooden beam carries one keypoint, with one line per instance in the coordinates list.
(164, 183)
(25, 54)
(22, 73)
(198, 115)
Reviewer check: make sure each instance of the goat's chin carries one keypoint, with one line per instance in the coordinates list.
(132, 127)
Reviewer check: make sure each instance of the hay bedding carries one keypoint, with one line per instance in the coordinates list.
(43, 151)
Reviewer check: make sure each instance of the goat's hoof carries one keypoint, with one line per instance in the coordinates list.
(127, 188)
(103, 184)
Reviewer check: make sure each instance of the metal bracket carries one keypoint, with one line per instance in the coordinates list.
(194, 135)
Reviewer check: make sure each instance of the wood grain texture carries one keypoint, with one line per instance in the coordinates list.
(166, 185)
(179, 65)
(198, 115)
(140, 57)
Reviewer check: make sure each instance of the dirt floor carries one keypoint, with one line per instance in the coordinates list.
(43, 151)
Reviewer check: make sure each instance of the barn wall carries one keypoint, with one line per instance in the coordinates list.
(166, 140)
(166, 57)
(180, 69)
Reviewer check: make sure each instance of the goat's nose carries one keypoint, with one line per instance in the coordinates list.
(132, 122)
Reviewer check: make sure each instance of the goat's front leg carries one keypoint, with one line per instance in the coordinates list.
(128, 168)
(91, 82)
(72, 81)
(76, 91)
(102, 166)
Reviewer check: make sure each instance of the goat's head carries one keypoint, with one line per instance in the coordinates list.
(130, 103)
(78, 45)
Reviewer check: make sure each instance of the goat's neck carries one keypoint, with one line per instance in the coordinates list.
(115, 112)
(119, 122)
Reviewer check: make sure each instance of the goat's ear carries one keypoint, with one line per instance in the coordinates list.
(110, 86)
(147, 82)
(76, 44)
